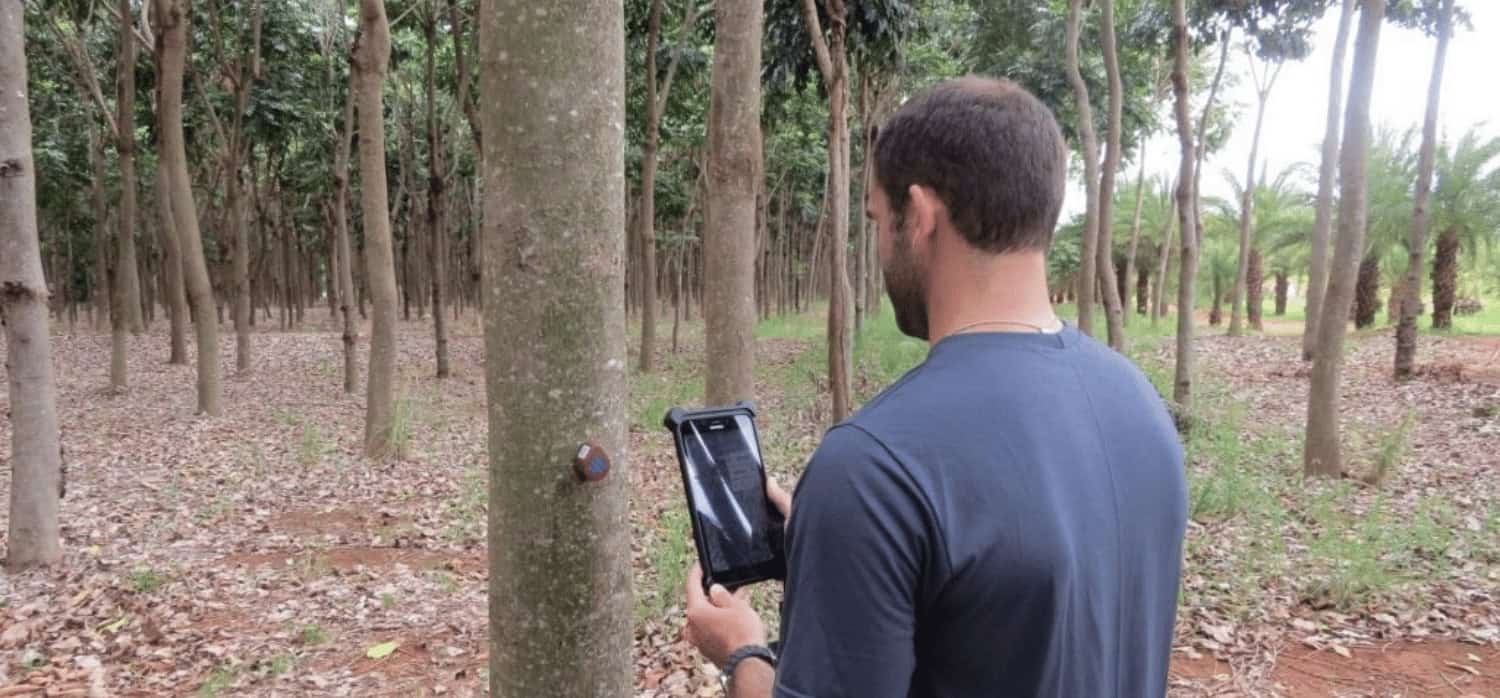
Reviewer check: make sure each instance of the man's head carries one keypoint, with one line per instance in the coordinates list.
(976, 157)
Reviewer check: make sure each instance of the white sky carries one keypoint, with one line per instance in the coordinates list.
(1298, 105)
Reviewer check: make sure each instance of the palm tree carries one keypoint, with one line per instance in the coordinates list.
(1392, 169)
(1281, 209)
(1465, 209)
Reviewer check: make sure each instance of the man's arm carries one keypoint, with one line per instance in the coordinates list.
(753, 678)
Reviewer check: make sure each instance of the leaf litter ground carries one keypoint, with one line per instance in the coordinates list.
(259, 554)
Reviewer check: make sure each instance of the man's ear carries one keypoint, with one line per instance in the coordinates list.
(922, 211)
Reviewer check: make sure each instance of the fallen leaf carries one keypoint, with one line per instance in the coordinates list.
(1341, 651)
(382, 650)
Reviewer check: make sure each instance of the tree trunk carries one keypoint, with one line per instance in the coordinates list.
(860, 260)
(559, 550)
(734, 166)
(106, 288)
(1411, 298)
(833, 63)
(1242, 279)
(172, 38)
(1444, 279)
(1113, 283)
(1321, 454)
(1091, 261)
(371, 52)
(127, 279)
(1159, 298)
(1142, 288)
(36, 453)
(1187, 212)
(1255, 278)
(1281, 290)
(1135, 239)
(1201, 149)
(1367, 292)
(176, 297)
(1215, 311)
(437, 205)
(343, 253)
(1317, 273)
(234, 196)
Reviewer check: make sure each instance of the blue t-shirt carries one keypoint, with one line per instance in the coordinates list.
(1006, 520)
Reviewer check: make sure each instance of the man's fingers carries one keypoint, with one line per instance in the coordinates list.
(695, 586)
(779, 497)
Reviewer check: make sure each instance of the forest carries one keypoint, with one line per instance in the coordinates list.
(309, 304)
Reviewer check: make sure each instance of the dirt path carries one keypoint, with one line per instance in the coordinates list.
(258, 554)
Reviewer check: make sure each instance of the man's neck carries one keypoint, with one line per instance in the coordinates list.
(991, 293)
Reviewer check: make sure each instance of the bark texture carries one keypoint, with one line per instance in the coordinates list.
(553, 95)
(1187, 212)
(1112, 283)
(734, 170)
(342, 251)
(1367, 292)
(1445, 279)
(36, 457)
(1322, 455)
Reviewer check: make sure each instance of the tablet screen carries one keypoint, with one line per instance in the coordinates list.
(727, 488)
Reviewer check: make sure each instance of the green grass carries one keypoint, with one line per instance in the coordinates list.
(313, 635)
(1485, 322)
(671, 554)
(144, 580)
(222, 679)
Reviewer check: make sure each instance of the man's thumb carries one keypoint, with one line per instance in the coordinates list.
(720, 596)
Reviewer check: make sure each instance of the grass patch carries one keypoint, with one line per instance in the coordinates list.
(403, 424)
(144, 580)
(313, 635)
(222, 679)
(312, 446)
(671, 554)
(652, 394)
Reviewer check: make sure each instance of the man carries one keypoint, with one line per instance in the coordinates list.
(1005, 520)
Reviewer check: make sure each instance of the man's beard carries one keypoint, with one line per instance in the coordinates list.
(903, 283)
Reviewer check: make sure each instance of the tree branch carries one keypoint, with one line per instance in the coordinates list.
(142, 37)
(87, 82)
(688, 25)
(820, 46)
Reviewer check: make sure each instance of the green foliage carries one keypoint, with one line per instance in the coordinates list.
(144, 580)
(313, 635)
(672, 552)
(222, 679)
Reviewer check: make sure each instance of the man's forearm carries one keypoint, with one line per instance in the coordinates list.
(753, 678)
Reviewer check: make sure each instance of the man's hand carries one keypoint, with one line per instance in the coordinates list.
(779, 497)
(720, 622)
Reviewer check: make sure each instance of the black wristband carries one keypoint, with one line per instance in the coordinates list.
(757, 651)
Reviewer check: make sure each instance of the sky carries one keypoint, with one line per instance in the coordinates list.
(1298, 106)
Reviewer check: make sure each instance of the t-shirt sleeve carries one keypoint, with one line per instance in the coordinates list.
(857, 545)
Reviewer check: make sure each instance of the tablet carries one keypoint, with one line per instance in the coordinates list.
(740, 535)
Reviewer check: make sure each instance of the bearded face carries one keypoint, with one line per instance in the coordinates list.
(905, 280)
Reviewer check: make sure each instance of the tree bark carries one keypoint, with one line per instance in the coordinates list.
(1263, 85)
(1114, 299)
(1089, 271)
(734, 173)
(236, 152)
(176, 296)
(833, 64)
(437, 205)
(860, 259)
(1321, 454)
(1282, 284)
(1187, 212)
(1444, 279)
(36, 454)
(1367, 292)
(172, 38)
(1411, 298)
(1317, 273)
(559, 575)
(1254, 289)
(371, 52)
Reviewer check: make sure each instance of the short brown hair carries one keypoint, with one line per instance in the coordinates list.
(990, 150)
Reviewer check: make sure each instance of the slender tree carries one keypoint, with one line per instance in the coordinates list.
(343, 253)
(559, 552)
(372, 50)
(127, 284)
(833, 65)
(1321, 453)
(1317, 260)
(656, 105)
(172, 42)
(36, 458)
(1411, 296)
(437, 202)
(1114, 311)
(1265, 79)
(1089, 147)
(1187, 211)
(734, 172)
